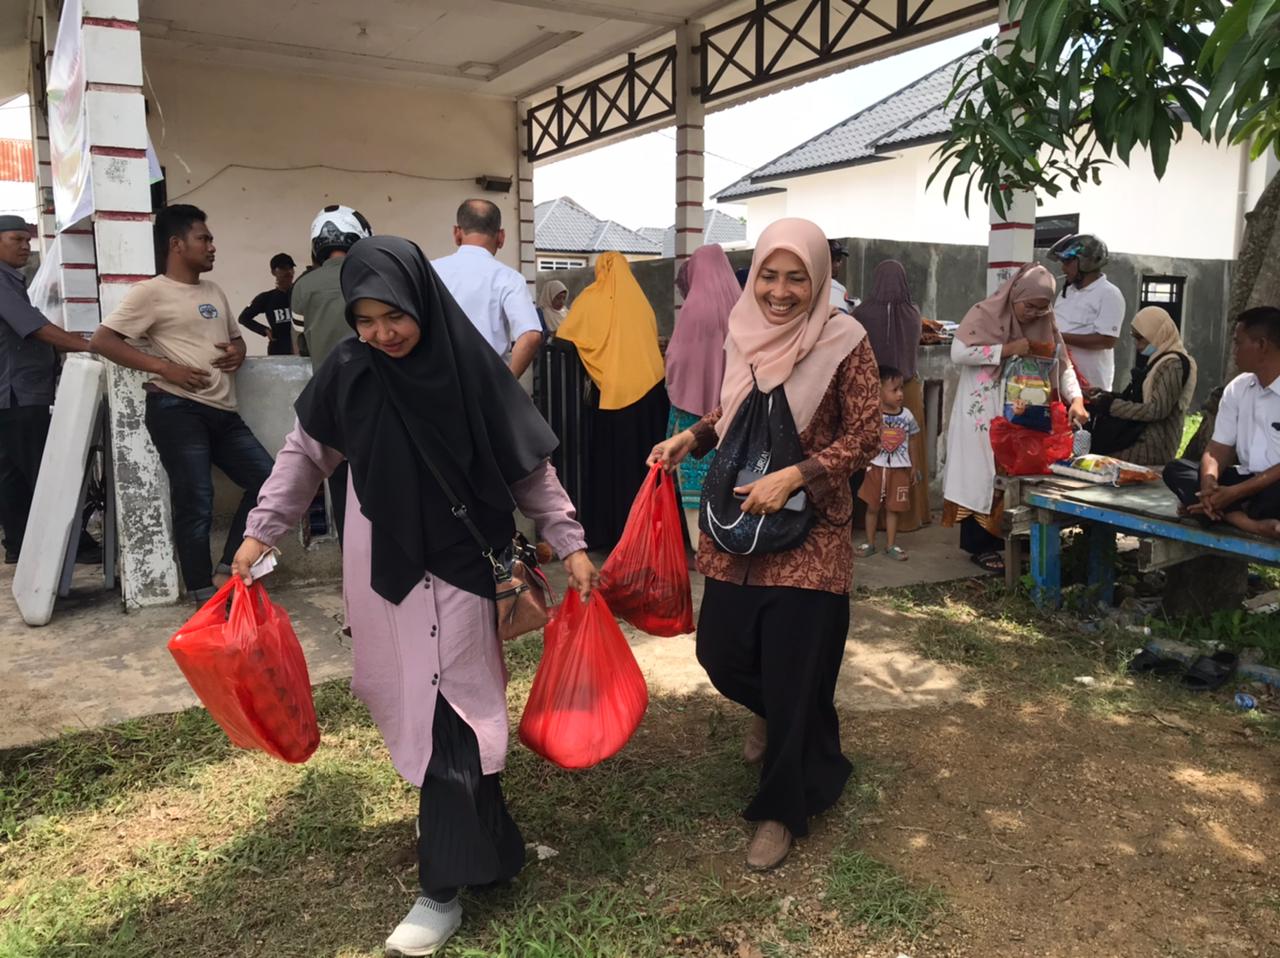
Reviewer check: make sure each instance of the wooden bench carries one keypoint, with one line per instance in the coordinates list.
(1148, 511)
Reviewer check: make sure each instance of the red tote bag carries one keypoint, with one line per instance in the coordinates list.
(645, 580)
(589, 694)
(241, 657)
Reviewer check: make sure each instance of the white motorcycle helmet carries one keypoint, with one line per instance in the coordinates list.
(337, 228)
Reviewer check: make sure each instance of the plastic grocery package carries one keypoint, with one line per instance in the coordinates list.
(1020, 451)
(645, 580)
(588, 695)
(242, 658)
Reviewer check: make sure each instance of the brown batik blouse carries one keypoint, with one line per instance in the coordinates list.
(842, 438)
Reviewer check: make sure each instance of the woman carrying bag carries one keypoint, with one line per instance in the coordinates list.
(1003, 326)
(773, 624)
(426, 414)
(1143, 423)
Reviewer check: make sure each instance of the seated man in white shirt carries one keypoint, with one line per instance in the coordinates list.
(1238, 479)
(494, 296)
(839, 259)
(1090, 309)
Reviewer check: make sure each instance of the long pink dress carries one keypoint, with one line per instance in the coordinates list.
(439, 639)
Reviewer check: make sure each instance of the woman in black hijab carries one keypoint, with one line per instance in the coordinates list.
(417, 399)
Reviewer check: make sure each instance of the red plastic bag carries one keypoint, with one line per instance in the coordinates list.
(1020, 451)
(247, 667)
(645, 580)
(589, 694)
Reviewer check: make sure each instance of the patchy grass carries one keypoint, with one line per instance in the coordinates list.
(869, 893)
(156, 837)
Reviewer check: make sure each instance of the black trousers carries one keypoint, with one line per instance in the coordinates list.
(467, 836)
(191, 438)
(338, 496)
(23, 431)
(1182, 476)
(976, 540)
(777, 651)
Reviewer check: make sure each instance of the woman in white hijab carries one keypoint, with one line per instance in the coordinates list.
(553, 300)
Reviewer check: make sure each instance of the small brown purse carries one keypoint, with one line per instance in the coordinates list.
(522, 592)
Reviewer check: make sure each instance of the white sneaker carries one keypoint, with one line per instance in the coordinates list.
(425, 929)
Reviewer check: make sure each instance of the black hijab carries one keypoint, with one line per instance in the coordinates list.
(451, 401)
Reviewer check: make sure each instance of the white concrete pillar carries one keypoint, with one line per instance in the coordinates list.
(524, 201)
(1011, 241)
(690, 143)
(122, 252)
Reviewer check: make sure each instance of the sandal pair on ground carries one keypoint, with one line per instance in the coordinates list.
(866, 550)
(1204, 674)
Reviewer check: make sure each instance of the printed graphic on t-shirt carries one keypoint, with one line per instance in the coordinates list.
(208, 311)
(895, 431)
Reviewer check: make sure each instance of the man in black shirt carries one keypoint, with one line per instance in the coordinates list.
(275, 304)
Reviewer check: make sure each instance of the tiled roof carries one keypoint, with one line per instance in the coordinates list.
(916, 112)
(562, 226)
(717, 227)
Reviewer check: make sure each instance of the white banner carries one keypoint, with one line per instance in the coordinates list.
(68, 131)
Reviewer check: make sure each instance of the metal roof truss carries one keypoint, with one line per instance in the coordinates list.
(774, 40)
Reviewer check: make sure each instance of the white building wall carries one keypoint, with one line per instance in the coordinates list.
(204, 119)
(1191, 213)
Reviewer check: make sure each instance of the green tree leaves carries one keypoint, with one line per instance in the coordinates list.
(1088, 80)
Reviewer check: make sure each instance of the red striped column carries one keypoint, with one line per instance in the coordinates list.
(1011, 240)
(690, 143)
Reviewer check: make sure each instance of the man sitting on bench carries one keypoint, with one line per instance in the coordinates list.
(1238, 478)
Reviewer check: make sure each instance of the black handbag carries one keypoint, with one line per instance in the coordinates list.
(1111, 434)
(762, 439)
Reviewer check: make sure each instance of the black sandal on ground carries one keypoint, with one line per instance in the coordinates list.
(1210, 672)
(1147, 662)
(988, 561)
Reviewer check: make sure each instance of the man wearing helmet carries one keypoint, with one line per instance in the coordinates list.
(317, 299)
(317, 296)
(1090, 310)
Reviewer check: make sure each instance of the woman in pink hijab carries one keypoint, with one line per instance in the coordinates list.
(1011, 322)
(772, 628)
(695, 355)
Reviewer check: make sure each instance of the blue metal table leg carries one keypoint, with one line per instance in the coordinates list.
(1046, 564)
(1102, 561)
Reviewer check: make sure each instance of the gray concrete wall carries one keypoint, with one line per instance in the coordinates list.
(266, 388)
(946, 279)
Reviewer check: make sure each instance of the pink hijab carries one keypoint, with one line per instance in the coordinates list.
(992, 323)
(695, 355)
(801, 354)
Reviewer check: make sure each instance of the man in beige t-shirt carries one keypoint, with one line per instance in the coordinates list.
(191, 398)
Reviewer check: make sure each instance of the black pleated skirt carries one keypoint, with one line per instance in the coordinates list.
(777, 651)
(467, 838)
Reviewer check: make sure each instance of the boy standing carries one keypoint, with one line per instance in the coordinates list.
(191, 398)
(890, 475)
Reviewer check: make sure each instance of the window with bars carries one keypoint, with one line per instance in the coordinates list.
(548, 263)
(1165, 292)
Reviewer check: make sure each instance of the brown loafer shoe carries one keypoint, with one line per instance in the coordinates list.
(770, 846)
(753, 745)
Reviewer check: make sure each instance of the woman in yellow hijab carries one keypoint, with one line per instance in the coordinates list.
(615, 332)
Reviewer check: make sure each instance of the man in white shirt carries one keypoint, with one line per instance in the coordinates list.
(494, 296)
(1238, 479)
(1090, 310)
(839, 258)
